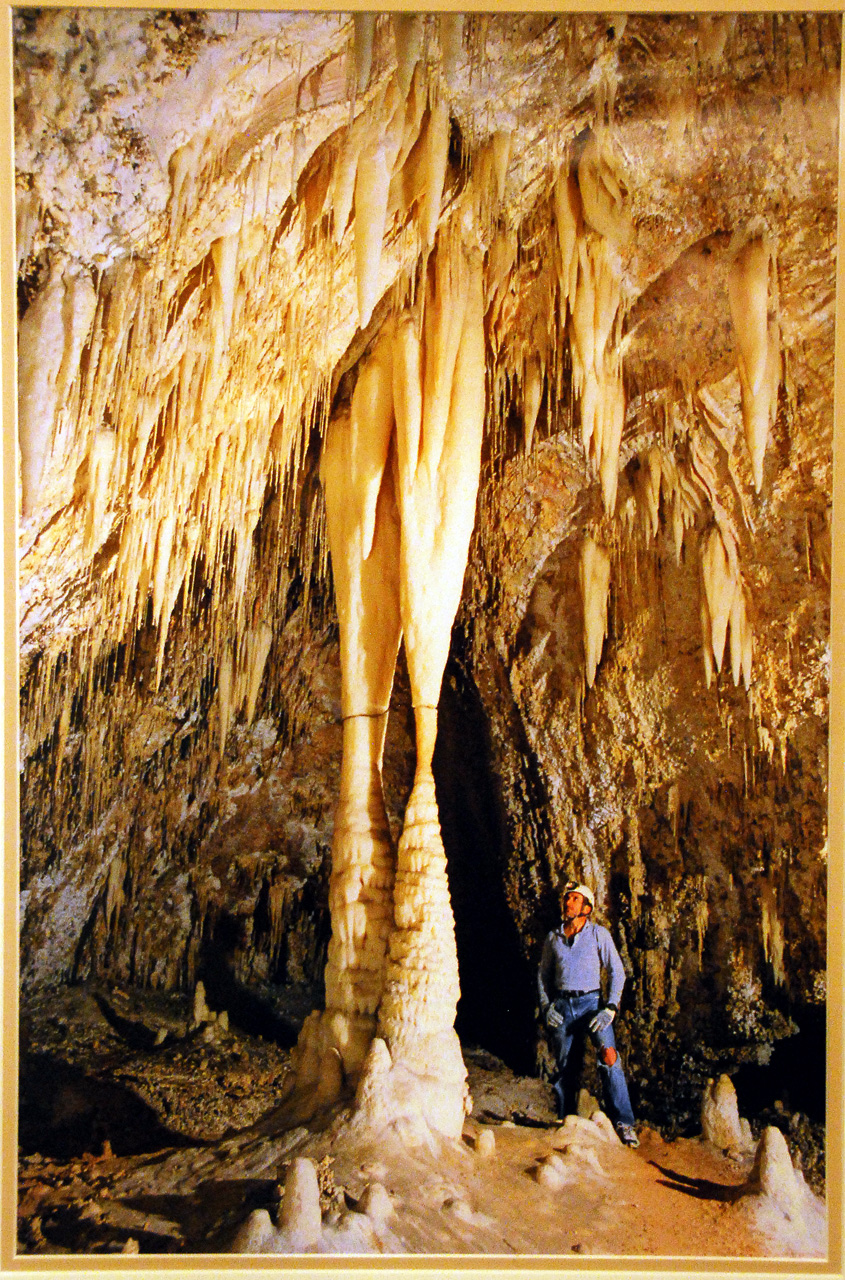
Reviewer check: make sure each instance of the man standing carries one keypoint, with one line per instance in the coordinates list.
(574, 957)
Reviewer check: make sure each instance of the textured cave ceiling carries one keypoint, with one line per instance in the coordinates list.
(198, 283)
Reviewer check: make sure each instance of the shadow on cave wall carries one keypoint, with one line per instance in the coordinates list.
(65, 1113)
(498, 993)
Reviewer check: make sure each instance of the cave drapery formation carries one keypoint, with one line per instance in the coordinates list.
(334, 331)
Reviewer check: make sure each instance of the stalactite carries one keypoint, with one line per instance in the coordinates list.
(42, 341)
(451, 27)
(594, 581)
(99, 476)
(772, 928)
(364, 26)
(723, 603)
(408, 33)
(436, 152)
(372, 188)
(758, 346)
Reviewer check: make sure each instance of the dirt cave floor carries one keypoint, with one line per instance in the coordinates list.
(145, 1128)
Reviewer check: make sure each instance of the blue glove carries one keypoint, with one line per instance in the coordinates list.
(602, 1020)
(553, 1018)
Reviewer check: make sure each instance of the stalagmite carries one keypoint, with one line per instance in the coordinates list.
(594, 581)
(758, 347)
(299, 1217)
(773, 1175)
(437, 506)
(363, 531)
(720, 1119)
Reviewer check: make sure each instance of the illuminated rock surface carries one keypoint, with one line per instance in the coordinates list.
(334, 334)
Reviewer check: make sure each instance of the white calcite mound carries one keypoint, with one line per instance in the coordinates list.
(300, 1220)
(255, 1235)
(721, 1123)
(375, 1202)
(300, 1217)
(605, 1127)
(774, 1176)
(552, 1172)
(485, 1143)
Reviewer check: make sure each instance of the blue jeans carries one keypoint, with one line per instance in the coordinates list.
(568, 1042)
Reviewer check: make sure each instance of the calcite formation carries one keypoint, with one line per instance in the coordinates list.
(425, 432)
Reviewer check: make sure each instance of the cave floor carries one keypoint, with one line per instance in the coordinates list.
(141, 1132)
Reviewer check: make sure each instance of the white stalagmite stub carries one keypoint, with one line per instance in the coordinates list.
(720, 1119)
(256, 1235)
(594, 580)
(375, 1202)
(300, 1217)
(774, 1176)
(485, 1143)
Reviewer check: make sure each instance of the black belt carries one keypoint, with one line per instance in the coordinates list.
(594, 992)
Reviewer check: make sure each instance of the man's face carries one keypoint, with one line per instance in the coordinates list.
(573, 905)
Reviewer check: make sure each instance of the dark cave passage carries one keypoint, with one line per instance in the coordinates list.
(496, 1008)
(795, 1078)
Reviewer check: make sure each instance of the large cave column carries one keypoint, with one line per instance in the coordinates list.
(439, 398)
(363, 529)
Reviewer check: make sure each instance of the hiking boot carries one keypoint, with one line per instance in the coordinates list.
(628, 1135)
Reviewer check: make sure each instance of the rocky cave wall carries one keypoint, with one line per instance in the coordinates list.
(189, 312)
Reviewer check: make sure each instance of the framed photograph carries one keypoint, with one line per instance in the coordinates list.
(423, 598)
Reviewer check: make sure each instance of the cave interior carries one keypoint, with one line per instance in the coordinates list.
(412, 397)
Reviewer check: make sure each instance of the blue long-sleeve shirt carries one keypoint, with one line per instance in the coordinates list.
(576, 964)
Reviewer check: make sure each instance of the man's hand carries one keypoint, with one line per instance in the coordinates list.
(602, 1020)
(553, 1018)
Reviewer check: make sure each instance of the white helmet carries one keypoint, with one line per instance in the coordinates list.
(585, 892)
